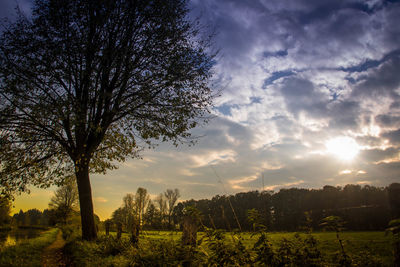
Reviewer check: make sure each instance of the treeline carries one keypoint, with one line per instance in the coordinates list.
(34, 217)
(361, 207)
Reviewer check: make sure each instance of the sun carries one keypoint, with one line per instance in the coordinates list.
(343, 147)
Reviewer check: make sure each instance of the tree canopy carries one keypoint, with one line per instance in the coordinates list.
(83, 82)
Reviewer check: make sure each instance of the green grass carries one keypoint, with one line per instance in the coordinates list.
(360, 246)
(29, 252)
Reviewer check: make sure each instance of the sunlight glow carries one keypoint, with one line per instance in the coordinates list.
(344, 147)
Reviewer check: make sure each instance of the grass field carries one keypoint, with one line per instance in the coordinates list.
(373, 245)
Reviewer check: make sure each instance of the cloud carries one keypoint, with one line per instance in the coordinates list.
(393, 136)
(377, 155)
(381, 82)
(100, 199)
(301, 95)
(387, 120)
(213, 157)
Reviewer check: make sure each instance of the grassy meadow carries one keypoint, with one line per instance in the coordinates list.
(162, 248)
(377, 244)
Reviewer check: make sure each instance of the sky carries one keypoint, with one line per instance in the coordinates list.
(310, 96)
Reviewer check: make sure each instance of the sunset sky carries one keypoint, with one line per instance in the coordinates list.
(310, 96)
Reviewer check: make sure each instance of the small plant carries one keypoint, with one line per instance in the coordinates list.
(265, 255)
(224, 253)
(336, 224)
(394, 228)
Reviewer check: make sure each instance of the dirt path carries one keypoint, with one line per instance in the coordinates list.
(52, 255)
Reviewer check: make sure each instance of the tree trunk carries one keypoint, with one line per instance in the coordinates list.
(85, 200)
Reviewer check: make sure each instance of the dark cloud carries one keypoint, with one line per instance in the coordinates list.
(369, 141)
(393, 136)
(301, 95)
(277, 75)
(376, 155)
(383, 81)
(388, 120)
(390, 27)
(344, 114)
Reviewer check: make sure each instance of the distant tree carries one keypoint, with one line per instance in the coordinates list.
(48, 218)
(19, 218)
(150, 217)
(142, 200)
(65, 200)
(118, 216)
(162, 207)
(129, 211)
(81, 80)
(34, 216)
(5, 210)
(171, 197)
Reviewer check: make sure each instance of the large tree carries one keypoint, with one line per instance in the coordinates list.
(82, 80)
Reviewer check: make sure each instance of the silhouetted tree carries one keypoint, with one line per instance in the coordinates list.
(162, 207)
(82, 79)
(128, 211)
(171, 197)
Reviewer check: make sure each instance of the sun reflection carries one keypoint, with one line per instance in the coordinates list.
(344, 147)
